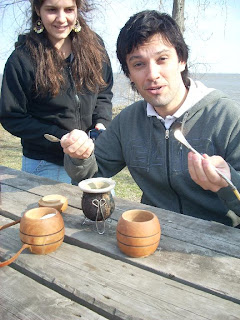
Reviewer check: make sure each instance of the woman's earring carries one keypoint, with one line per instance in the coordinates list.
(77, 27)
(39, 27)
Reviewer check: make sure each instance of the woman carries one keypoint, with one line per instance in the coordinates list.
(57, 79)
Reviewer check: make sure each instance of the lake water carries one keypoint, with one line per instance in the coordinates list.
(228, 83)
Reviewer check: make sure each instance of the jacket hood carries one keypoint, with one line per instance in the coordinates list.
(21, 40)
(207, 102)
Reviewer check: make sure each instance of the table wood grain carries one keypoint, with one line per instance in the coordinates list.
(194, 273)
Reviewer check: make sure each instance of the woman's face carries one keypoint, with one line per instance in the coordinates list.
(58, 18)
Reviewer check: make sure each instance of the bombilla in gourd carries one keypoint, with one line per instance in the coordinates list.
(180, 137)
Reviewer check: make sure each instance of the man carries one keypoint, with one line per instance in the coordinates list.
(153, 54)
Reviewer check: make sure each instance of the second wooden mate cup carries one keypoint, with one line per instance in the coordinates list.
(138, 233)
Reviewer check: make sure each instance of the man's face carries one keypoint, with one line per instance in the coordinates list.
(156, 71)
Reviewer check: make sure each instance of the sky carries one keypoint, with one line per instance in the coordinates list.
(211, 30)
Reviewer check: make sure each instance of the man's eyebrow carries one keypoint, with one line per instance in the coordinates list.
(135, 57)
(156, 53)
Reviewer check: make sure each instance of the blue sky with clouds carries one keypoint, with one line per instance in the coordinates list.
(212, 33)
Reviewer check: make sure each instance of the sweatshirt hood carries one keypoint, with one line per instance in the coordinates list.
(207, 101)
(21, 40)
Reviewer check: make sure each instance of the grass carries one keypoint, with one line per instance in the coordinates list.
(11, 156)
(10, 150)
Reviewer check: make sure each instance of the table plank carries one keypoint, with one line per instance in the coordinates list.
(117, 288)
(22, 298)
(188, 263)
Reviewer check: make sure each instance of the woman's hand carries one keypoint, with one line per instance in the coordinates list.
(203, 172)
(77, 144)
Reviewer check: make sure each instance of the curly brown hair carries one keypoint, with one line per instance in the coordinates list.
(87, 48)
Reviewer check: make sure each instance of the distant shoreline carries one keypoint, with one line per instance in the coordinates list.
(226, 82)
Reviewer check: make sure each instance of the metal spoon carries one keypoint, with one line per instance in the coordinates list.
(180, 137)
(51, 138)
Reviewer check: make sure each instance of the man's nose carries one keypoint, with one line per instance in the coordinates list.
(153, 71)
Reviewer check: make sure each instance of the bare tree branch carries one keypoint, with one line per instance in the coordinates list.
(6, 3)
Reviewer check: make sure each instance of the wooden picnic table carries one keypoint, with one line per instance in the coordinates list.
(194, 273)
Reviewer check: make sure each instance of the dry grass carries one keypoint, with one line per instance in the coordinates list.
(10, 150)
(11, 155)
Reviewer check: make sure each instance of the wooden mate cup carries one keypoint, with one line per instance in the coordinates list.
(138, 233)
(41, 231)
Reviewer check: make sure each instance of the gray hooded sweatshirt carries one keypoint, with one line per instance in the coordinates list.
(158, 162)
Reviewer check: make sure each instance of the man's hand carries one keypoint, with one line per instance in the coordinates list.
(203, 172)
(77, 144)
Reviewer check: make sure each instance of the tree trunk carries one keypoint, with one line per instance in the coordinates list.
(178, 13)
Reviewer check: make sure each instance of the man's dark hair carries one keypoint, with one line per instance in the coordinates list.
(145, 24)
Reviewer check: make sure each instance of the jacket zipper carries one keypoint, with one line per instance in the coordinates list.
(167, 133)
(76, 100)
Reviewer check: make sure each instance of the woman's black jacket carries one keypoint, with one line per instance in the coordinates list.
(29, 117)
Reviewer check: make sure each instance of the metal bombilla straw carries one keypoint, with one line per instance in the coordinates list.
(180, 137)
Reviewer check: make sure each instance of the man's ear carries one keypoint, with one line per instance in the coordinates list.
(182, 66)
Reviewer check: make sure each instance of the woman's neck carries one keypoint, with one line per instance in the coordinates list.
(64, 47)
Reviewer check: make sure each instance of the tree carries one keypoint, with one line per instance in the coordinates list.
(178, 13)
